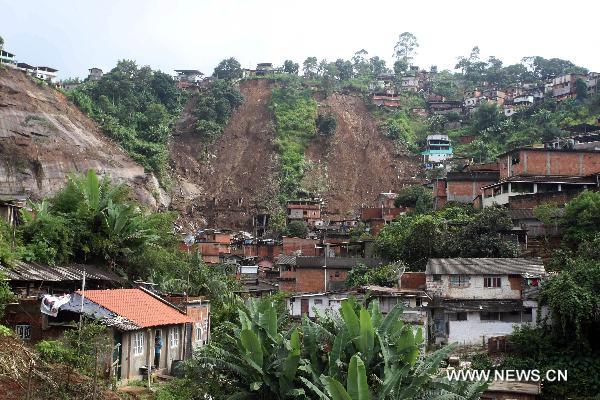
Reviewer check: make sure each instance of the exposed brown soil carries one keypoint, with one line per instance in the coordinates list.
(43, 138)
(359, 161)
(223, 183)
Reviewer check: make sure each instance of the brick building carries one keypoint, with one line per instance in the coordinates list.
(543, 161)
(308, 211)
(300, 274)
(461, 187)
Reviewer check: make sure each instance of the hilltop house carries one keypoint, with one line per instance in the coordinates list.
(7, 57)
(95, 74)
(475, 299)
(46, 74)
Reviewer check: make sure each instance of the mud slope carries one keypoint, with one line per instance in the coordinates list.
(43, 138)
(223, 183)
(357, 162)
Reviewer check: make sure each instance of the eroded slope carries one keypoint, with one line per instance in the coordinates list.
(43, 138)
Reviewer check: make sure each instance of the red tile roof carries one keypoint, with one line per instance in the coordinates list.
(141, 308)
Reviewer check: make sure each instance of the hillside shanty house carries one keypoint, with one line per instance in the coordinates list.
(298, 274)
(475, 299)
(10, 206)
(95, 74)
(135, 318)
(305, 210)
(30, 281)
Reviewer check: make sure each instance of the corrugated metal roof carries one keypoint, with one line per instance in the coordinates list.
(286, 260)
(23, 271)
(489, 266)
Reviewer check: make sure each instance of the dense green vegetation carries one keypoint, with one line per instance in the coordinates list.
(358, 354)
(295, 114)
(134, 106)
(214, 107)
(567, 340)
(454, 231)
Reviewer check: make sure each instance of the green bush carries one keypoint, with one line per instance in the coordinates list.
(295, 113)
(214, 107)
(54, 351)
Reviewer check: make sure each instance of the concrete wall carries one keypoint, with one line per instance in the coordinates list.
(510, 288)
(475, 331)
(131, 363)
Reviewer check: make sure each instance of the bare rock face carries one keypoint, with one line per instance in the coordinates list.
(43, 138)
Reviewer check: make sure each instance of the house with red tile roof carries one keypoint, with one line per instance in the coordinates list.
(136, 317)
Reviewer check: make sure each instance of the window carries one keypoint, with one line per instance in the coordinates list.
(23, 331)
(491, 282)
(138, 343)
(489, 316)
(318, 301)
(437, 277)
(459, 280)
(174, 337)
(419, 302)
(458, 316)
(198, 332)
(527, 315)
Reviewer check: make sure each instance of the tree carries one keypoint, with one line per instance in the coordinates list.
(310, 67)
(297, 229)
(290, 67)
(326, 124)
(6, 295)
(573, 297)
(360, 64)
(1, 42)
(344, 68)
(581, 220)
(386, 275)
(377, 66)
(581, 89)
(411, 196)
(228, 69)
(375, 355)
(400, 67)
(405, 48)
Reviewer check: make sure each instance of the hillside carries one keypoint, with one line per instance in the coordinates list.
(225, 182)
(359, 161)
(43, 138)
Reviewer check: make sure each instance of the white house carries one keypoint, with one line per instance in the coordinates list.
(45, 73)
(475, 299)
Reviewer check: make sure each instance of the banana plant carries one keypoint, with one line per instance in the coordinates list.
(263, 360)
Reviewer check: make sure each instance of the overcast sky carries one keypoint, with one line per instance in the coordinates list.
(76, 35)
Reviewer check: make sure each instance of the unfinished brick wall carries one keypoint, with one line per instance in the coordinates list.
(310, 280)
(306, 246)
(465, 191)
(549, 162)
